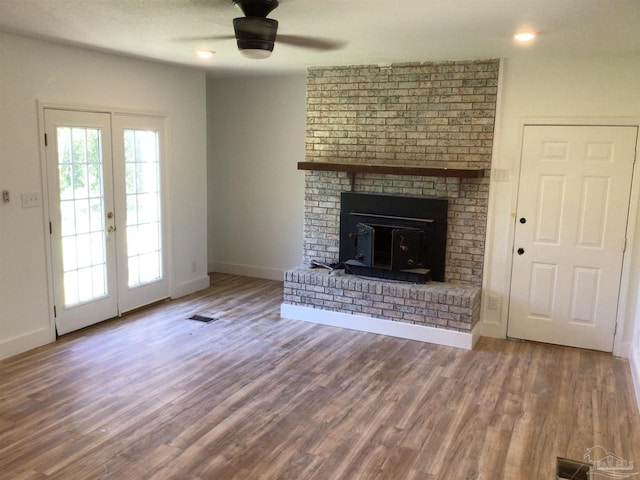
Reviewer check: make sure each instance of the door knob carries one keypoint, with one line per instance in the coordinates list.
(111, 229)
(523, 220)
(520, 251)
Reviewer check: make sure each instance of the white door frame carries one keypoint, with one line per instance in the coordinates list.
(624, 324)
(164, 165)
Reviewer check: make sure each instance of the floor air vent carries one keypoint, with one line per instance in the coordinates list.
(202, 318)
(573, 469)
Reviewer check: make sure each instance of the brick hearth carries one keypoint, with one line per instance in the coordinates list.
(436, 304)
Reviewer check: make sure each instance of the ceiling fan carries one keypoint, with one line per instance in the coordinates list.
(255, 34)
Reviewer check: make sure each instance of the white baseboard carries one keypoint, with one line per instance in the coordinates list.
(622, 349)
(247, 271)
(634, 363)
(491, 329)
(363, 323)
(191, 286)
(29, 341)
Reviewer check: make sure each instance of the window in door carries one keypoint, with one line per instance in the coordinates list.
(144, 226)
(81, 207)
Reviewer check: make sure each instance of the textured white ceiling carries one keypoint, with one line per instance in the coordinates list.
(371, 31)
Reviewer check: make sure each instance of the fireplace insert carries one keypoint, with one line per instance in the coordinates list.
(394, 237)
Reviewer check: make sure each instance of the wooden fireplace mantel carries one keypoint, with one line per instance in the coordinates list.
(392, 170)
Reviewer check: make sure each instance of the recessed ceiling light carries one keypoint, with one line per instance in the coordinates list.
(205, 53)
(524, 36)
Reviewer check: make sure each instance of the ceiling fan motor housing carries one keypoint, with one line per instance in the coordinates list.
(257, 33)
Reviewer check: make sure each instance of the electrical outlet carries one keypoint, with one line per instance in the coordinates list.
(30, 200)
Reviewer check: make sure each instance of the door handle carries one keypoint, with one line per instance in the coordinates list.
(520, 251)
(111, 229)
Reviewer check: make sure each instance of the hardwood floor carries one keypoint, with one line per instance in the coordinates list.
(253, 396)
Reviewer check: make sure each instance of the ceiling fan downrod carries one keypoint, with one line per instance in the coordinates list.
(256, 8)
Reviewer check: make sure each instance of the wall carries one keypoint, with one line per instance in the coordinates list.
(582, 90)
(256, 130)
(32, 70)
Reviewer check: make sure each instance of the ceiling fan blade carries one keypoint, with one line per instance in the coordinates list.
(208, 38)
(312, 43)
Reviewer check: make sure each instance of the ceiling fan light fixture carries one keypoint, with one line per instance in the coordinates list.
(255, 53)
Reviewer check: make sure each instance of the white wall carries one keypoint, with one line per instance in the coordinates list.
(256, 134)
(558, 89)
(32, 70)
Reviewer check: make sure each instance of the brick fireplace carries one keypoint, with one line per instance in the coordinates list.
(416, 130)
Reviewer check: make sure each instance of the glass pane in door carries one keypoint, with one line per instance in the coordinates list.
(82, 214)
(142, 165)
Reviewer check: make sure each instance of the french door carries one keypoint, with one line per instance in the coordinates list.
(106, 217)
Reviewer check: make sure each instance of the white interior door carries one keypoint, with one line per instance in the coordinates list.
(573, 201)
(106, 214)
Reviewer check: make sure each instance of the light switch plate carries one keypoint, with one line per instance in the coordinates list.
(494, 302)
(30, 200)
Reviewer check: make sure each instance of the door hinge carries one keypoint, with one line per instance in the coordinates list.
(46, 141)
(55, 312)
(50, 229)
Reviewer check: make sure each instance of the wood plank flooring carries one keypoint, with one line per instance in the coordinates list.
(252, 396)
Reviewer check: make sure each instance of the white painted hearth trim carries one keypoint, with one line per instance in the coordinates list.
(364, 323)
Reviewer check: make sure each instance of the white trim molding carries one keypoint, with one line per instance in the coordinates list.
(195, 285)
(30, 340)
(364, 323)
(247, 270)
